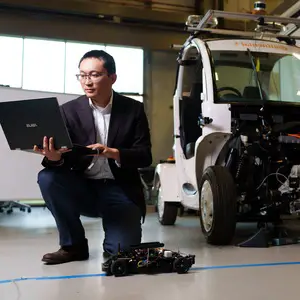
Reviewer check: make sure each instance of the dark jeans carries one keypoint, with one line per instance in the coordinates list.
(69, 195)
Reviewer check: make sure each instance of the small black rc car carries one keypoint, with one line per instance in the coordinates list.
(148, 258)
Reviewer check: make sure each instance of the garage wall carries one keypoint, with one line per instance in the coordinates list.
(163, 73)
(161, 64)
(161, 69)
(179, 4)
(166, 5)
(93, 31)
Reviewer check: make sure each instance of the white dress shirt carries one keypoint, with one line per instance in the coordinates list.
(99, 168)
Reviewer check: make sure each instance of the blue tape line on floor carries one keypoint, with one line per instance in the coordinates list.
(45, 278)
(247, 265)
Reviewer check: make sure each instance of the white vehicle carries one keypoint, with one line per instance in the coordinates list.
(236, 115)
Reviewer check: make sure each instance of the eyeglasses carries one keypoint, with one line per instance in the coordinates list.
(94, 77)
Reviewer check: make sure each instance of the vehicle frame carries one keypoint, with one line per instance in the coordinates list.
(198, 178)
(149, 257)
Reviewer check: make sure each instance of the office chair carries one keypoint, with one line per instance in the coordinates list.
(8, 206)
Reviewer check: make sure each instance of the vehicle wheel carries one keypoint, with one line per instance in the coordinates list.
(217, 205)
(119, 268)
(181, 265)
(167, 211)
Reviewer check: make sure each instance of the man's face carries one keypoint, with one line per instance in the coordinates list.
(98, 82)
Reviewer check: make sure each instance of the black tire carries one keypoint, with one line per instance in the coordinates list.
(169, 215)
(224, 200)
(167, 212)
(181, 265)
(119, 268)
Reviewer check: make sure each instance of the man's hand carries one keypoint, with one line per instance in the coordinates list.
(107, 152)
(49, 151)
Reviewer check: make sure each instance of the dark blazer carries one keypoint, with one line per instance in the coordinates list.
(128, 132)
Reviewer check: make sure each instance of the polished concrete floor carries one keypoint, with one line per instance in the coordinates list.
(219, 273)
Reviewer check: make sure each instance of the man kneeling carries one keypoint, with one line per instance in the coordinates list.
(107, 185)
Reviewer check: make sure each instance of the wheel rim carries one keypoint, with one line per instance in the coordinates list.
(206, 203)
(160, 203)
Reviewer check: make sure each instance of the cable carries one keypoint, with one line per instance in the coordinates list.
(13, 282)
(269, 176)
(18, 290)
(277, 176)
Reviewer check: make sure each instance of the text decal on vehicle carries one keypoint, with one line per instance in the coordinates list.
(261, 45)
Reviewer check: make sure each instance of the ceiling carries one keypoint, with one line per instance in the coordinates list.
(165, 14)
(146, 13)
(155, 24)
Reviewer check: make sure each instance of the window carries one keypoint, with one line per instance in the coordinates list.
(44, 65)
(138, 98)
(129, 65)
(50, 66)
(11, 50)
(278, 76)
(285, 79)
(190, 105)
(74, 52)
(192, 74)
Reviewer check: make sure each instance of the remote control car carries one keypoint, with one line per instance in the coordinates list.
(236, 125)
(148, 258)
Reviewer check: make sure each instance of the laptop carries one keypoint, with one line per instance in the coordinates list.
(26, 122)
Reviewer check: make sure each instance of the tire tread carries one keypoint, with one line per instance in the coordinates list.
(170, 214)
(224, 192)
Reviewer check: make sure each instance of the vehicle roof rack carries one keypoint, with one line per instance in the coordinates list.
(267, 26)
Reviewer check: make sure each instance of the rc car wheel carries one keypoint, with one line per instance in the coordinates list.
(218, 205)
(167, 211)
(181, 265)
(119, 268)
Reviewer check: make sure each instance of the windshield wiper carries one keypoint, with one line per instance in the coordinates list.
(256, 75)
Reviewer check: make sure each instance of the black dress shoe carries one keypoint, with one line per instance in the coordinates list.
(67, 254)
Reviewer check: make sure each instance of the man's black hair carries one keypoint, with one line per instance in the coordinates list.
(109, 62)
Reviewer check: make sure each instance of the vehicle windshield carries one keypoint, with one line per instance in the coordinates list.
(236, 81)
